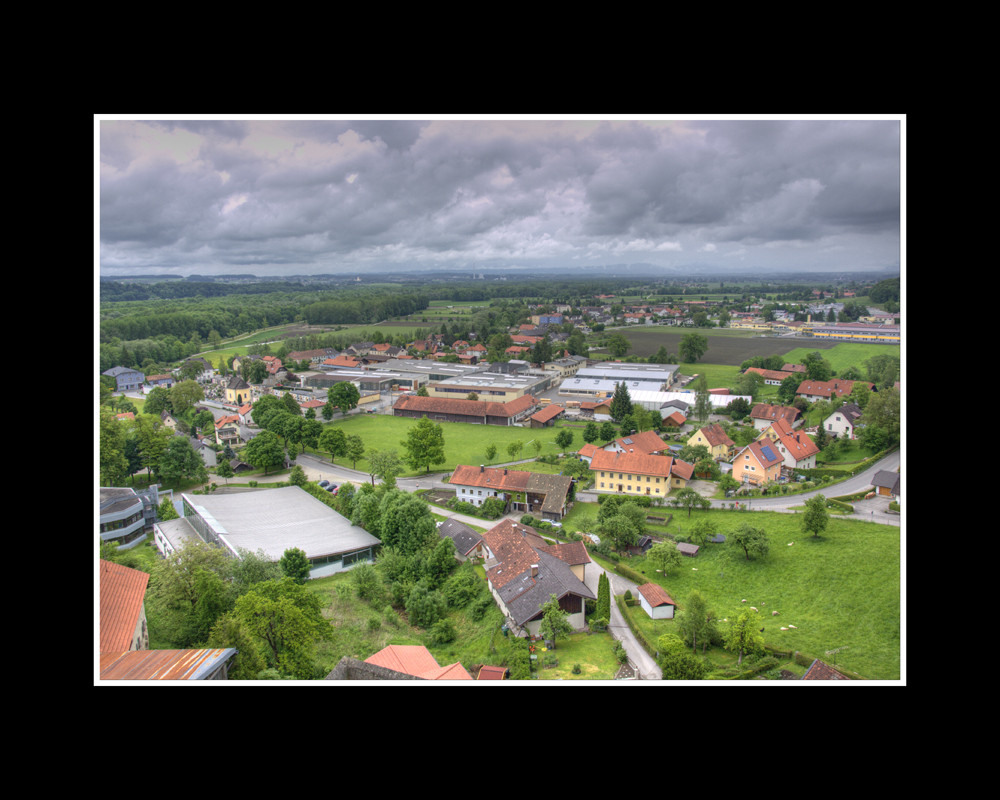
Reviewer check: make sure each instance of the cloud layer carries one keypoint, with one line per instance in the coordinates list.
(313, 196)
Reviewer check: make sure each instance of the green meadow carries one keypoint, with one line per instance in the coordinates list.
(839, 591)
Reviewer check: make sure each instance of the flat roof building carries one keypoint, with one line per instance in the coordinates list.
(272, 520)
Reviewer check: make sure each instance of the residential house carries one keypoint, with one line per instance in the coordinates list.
(713, 437)
(763, 414)
(531, 492)
(772, 377)
(227, 430)
(468, 543)
(638, 473)
(165, 380)
(826, 390)
(416, 660)
(656, 602)
(796, 448)
(647, 442)
(843, 422)
(757, 464)
(126, 379)
(523, 578)
(244, 413)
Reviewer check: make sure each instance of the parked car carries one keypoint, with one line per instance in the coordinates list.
(331, 488)
(324, 484)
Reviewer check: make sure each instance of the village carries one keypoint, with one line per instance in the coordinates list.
(265, 440)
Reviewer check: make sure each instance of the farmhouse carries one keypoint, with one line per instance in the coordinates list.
(530, 492)
(638, 473)
(523, 578)
(825, 390)
(477, 412)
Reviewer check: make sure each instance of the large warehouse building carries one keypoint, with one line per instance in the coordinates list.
(271, 520)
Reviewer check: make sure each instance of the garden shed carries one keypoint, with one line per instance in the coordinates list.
(656, 602)
(686, 549)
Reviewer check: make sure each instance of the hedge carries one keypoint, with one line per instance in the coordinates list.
(639, 635)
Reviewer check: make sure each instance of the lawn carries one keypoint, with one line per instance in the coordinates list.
(844, 355)
(464, 443)
(840, 591)
(594, 652)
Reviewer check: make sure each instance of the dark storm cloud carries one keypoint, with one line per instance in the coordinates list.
(199, 195)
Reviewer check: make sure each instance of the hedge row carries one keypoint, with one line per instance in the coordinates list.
(639, 635)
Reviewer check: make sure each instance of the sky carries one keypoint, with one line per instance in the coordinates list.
(300, 196)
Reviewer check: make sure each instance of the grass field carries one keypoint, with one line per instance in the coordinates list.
(840, 591)
(464, 443)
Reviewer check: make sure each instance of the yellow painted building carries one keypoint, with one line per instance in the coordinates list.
(638, 473)
(715, 439)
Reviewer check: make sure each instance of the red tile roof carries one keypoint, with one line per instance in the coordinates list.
(715, 434)
(573, 553)
(656, 595)
(342, 361)
(490, 673)
(504, 480)
(414, 659)
(773, 412)
(830, 388)
(547, 413)
(123, 591)
(508, 542)
(645, 442)
(642, 464)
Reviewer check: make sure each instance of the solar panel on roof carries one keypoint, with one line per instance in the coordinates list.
(768, 453)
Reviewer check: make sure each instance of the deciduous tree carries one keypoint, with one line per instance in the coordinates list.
(424, 445)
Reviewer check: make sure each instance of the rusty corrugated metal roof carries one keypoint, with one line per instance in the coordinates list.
(163, 665)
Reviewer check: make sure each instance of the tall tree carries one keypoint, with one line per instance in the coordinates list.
(179, 462)
(743, 636)
(815, 518)
(295, 565)
(695, 622)
(692, 347)
(264, 451)
(621, 402)
(344, 396)
(555, 621)
(754, 542)
(333, 441)
(355, 449)
(424, 445)
(385, 464)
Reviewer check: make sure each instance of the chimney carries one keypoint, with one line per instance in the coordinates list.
(534, 570)
(481, 468)
(505, 470)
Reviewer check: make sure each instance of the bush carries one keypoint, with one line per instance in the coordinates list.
(442, 632)
(425, 606)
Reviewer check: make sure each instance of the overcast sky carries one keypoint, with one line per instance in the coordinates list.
(302, 196)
